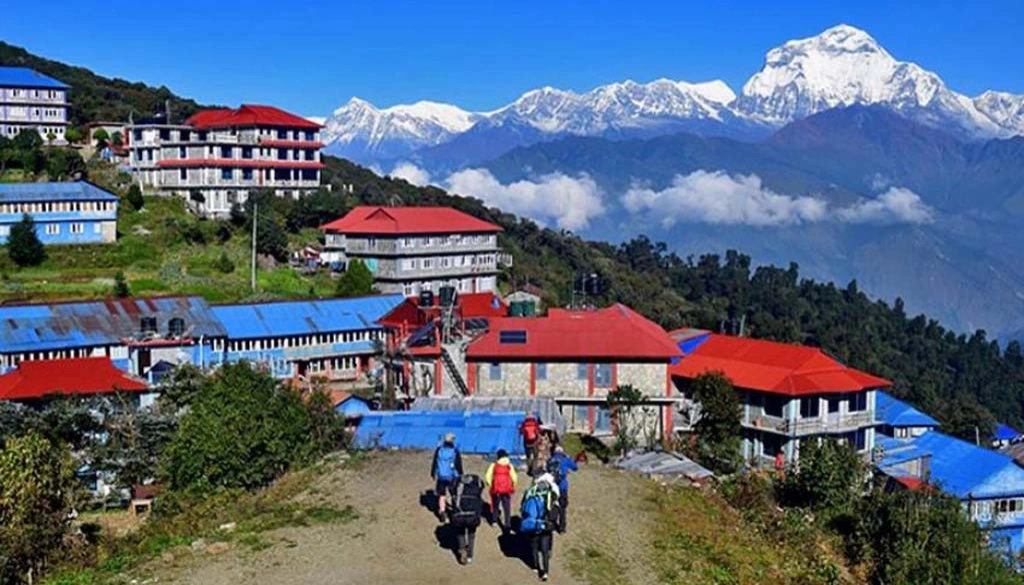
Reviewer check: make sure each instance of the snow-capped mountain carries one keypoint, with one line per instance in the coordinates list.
(842, 66)
(845, 66)
(362, 131)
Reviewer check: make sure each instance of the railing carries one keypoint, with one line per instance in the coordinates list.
(436, 272)
(827, 423)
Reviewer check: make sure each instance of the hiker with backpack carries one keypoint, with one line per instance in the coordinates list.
(467, 507)
(501, 478)
(560, 465)
(538, 519)
(530, 430)
(445, 469)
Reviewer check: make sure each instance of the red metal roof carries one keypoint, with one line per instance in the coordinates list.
(614, 333)
(248, 115)
(408, 220)
(72, 376)
(779, 368)
(240, 163)
(468, 306)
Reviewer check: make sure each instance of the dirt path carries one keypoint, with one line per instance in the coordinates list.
(397, 540)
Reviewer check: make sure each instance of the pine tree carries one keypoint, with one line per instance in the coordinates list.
(357, 280)
(23, 245)
(135, 197)
(121, 289)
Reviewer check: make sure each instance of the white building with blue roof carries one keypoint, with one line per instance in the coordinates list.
(899, 419)
(30, 100)
(64, 213)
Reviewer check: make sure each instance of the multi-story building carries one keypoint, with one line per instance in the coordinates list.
(30, 100)
(790, 393)
(64, 213)
(415, 249)
(577, 358)
(217, 157)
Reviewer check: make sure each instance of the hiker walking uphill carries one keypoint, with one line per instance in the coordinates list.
(539, 516)
(501, 478)
(467, 507)
(445, 469)
(530, 430)
(560, 466)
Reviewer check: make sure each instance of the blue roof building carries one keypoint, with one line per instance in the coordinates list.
(30, 100)
(475, 432)
(899, 419)
(332, 338)
(64, 213)
(1004, 435)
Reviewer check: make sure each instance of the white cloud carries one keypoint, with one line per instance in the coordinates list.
(897, 205)
(570, 202)
(411, 173)
(717, 198)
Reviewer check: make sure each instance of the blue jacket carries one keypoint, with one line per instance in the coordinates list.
(565, 466)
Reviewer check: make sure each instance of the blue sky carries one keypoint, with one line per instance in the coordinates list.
(311, 56)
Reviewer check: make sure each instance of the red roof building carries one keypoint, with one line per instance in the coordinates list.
(33, 380)
(789, 392)
(415, 249)
(217, 156)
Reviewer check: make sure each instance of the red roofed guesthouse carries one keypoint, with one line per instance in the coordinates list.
(415, 249)
(577, 357)
(217, 156)
(37, 380)
(789, 392)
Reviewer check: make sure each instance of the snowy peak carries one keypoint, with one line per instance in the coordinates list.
(1005, 109)
(361, 126)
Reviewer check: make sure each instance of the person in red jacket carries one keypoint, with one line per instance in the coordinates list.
(530, 430)
(501, 478)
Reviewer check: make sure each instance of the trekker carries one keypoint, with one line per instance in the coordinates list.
(538, 514)
(530, 430)
(445, 468)
(560, 466)
(501, 478)
(467, 507)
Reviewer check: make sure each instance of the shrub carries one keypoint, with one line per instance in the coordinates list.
(357, 280)
(23, 245)
(121, 289)
(224, 264)
(135, 197)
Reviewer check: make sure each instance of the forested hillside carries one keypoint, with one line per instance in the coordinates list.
(94, 97)
(963, 379)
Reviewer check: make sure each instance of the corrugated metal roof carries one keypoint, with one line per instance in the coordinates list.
(957, 467)
(25, 77)
(665, 463)
(1005, 433)
(288, 318)
(96, 323)
(545, 408)
(480, 433)
(76, 191)
(73, 376)
(896, 413)
(249, 115)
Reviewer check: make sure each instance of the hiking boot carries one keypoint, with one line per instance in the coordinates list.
(462, 557)
(469, 561)
(543, 576)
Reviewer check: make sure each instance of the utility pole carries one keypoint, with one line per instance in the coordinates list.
(255, 219)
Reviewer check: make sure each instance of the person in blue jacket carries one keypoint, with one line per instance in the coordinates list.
(561, 465)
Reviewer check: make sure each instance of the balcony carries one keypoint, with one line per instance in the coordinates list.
(436, 272)
(832, 423)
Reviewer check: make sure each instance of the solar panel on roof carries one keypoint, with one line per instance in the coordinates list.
(517, 337)
(422, 336)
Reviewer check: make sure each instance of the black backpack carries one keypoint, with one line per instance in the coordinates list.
(554, 467)
(468, 502)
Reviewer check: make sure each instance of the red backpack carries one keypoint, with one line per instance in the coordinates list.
(530, 428)
(501, 482)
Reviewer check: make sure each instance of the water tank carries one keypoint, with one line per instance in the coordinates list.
(528, 308)
(447, 296)
(427, 298)
(515, 309)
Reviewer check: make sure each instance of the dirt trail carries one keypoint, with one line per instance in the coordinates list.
(397, 540)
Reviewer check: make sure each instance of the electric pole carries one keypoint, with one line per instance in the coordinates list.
(255, 219)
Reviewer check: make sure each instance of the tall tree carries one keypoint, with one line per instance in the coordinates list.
(23, 245)
(135, 197)
(718, 428)
(356, 281)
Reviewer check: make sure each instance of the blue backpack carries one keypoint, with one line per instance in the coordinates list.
(535, 509)
(446, 463)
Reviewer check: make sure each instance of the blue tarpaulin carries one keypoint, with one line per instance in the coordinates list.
(480, 433)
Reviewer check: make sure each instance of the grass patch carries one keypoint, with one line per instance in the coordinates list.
(596, 568)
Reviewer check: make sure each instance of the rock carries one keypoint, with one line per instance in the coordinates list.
(218, 548)
(198, 545)
(229, 527)
(167, 557)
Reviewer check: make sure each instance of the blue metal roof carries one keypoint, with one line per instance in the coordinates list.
(957, 467)
(896, 413)
(288, 318)
(25, 77)
(76, 191)
(97, 323)
(1005, 433)
(475, 432)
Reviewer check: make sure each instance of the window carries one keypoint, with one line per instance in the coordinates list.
(5, 230)
(494, 372)
(78, 228)
(165, 134)
(581, 371)
(770, 444)
(225, 174)
(282, 135)
(185, 135)
(833, 405)
(603, 375)
(225, 152)
(52, 229)
(773, 405)
(858, 402)
(247, 174)
(182, 152)
(246, 152)
(97, 228)
(541, 371)
(183, 174)
(810, 407)
(310, 136)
